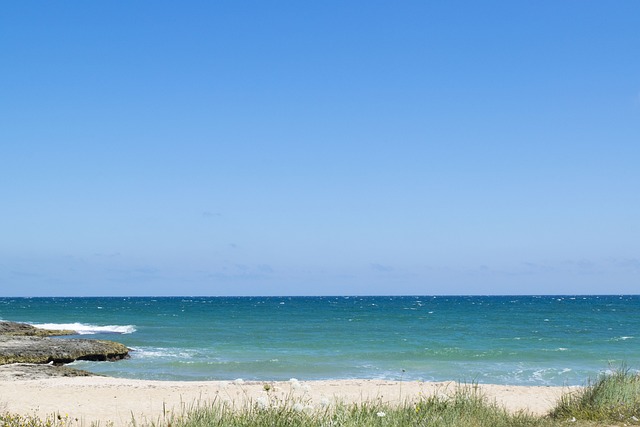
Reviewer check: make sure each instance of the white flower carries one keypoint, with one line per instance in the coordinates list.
(634, 418)
(298, 407)
(262, 402)
(324, 402)
(572, 420)
(381, 414)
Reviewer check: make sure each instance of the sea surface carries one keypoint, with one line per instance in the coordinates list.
(518, 340)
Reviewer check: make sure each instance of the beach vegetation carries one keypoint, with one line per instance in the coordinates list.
(612, 400)
(612, 397)
(55, 420)
(467, 406)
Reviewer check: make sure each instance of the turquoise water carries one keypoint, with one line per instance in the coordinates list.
(527, 340)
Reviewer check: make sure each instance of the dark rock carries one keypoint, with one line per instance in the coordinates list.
(22, 329)
(31, 349)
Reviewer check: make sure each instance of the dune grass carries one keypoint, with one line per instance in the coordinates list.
(467, 406)
(613, 399)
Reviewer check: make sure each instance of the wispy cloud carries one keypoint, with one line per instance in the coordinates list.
(628, 264)
(25, 274)
(107, 255)
(210, 214)
(381, 267)
(137, 274)
(261, 269)
(244, 271)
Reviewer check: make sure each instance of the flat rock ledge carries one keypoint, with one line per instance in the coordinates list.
(27, 352)
(23, 329)
(16, 349)
(27, 371)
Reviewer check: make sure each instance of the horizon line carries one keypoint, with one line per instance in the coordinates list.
(326, 296)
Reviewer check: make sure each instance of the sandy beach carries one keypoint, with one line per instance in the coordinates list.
(114, 400)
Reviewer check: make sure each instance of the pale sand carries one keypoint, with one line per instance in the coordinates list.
(117, 400)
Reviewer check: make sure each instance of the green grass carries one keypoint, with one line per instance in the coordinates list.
(613, 399)
(466, 407)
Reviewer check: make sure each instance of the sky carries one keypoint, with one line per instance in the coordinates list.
(319, 148)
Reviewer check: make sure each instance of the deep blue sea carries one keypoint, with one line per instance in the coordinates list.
(526, 340)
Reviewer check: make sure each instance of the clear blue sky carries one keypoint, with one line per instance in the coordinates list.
(331, 147)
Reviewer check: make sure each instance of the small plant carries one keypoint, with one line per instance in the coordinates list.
(15, 420)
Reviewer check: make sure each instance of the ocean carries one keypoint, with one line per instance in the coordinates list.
(517, 340)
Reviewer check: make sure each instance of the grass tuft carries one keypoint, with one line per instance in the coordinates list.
(613, 397)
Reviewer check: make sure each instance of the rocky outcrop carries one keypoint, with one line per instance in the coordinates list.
(30, 349)
(22, 329)
(27, 352)
(24, 371)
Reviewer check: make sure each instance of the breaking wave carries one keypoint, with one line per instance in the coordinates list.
(84, 329)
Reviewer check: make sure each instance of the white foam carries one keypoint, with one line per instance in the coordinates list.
(85, 329)
(140, 352)
(621, 338)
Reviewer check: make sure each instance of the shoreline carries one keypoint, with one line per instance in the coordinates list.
(116, 400)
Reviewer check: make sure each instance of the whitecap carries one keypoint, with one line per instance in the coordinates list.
(621, 338)
(85, 329)
(157, 352)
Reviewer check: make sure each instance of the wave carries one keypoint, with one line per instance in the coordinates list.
(85, 329)
(160, 352)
